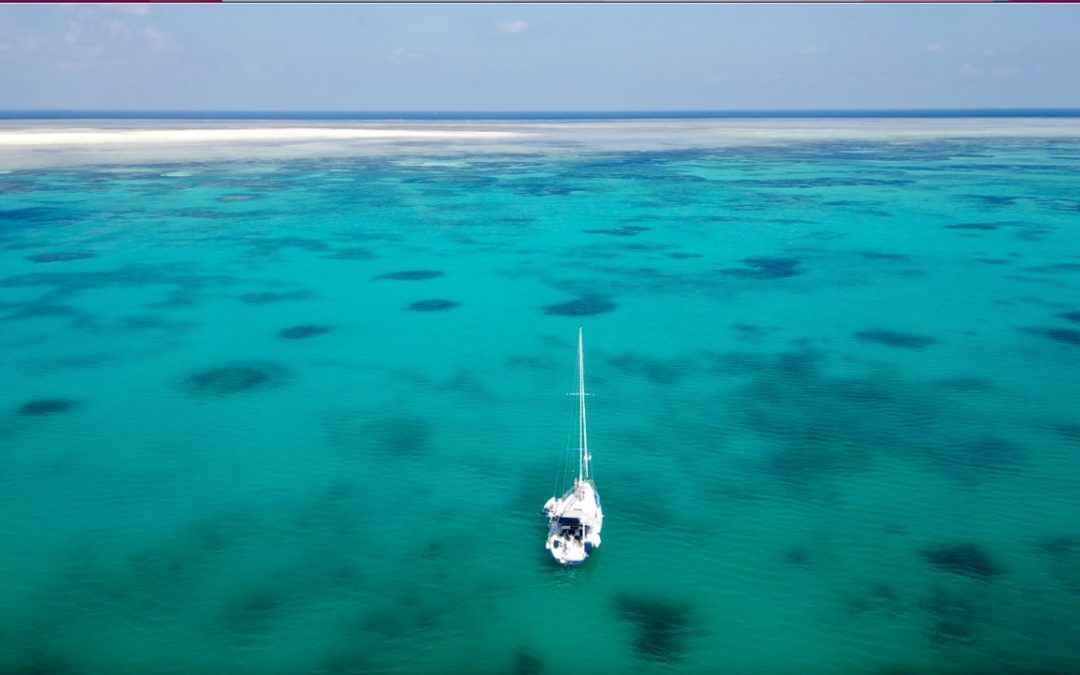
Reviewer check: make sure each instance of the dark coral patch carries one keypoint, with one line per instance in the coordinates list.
(893, 338)
(62, 256)
(989, 452)
(965, 384)
(680, 255)
(527, 663)
(1059, 548)
(1069, 431)
(1068, 336)
(982, 227)
(399, 436)
(256, 612)
(236, 378)
(624, 231)
(661, 626)
(411, 275)
(1071, 316)
(995, 200)
(546, 190)
(659, 371)
(303, 331)
(37, 310)
(272, 297)
(272, 245)
(434, 305)
(797, 556)
(761, 267)
(884, 255)
(1056, 268)
(352, 253)
(585, 306)
(881, 598)
(954, 616)
(46, 406)
(965, 559)
(453, 179)
(1062, 556)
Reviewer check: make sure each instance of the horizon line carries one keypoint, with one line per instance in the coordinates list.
(87, 113)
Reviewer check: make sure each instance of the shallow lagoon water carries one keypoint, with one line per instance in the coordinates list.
(300, 415)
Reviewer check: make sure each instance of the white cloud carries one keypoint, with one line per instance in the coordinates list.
(932, 47)
(512, 27)
(115, 27)
(131, 8)
(812, 50)
(403, 57)
(159, 40)
(1001, 72)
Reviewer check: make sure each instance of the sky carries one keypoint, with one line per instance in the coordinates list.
(516, 57)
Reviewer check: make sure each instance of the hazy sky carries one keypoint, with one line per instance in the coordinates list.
(538, 57)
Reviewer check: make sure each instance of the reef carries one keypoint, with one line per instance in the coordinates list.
(623, 231)
(1074, 317)
(62, 256)
(762, 267)
(965, 384)
(351, 253)
(884, 255)
(658, 371)
(878, 598)
(527, 663)
(303, 331)
(411, 275)
(953, 614)
(235, 378)
(661, 626)
(46, 406)
(256, 612)
(1058, 548)
(272, 245)
(681, 255)
(893, 338)
(399, 436)
(964, 559)
(797, 556)
(1068, 336)
(585, 306)
(994, 200)
(272, 297)
(988, 452)
(434, 305)
(1070, 431)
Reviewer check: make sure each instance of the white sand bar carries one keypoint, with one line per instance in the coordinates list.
(27, 144)
(41, 137)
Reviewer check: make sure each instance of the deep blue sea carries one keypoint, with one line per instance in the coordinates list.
(300, 415)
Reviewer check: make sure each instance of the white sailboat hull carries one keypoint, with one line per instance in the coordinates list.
(576, 518)
(574, 523)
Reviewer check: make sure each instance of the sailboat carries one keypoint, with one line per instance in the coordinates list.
(575, 519)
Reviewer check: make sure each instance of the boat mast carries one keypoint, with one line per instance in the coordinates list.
(583, 437)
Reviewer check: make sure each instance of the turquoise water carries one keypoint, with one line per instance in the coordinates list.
(301, 416)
